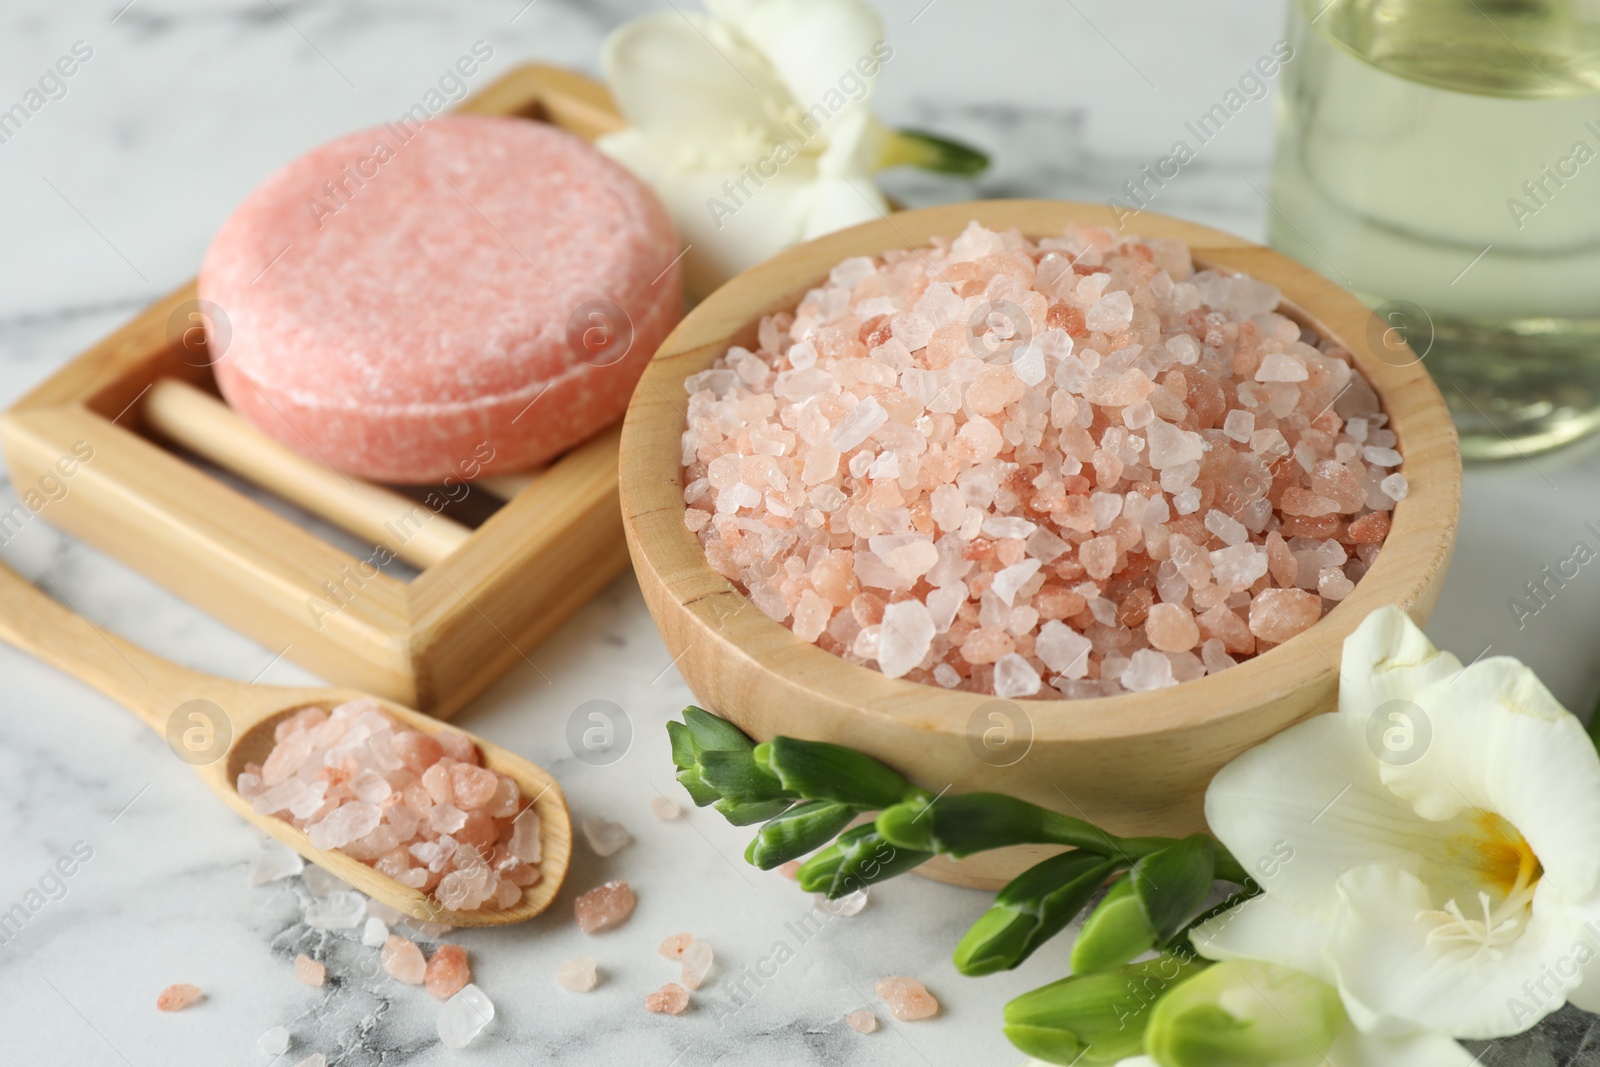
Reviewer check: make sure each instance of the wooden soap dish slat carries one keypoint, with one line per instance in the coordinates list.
(209, 428)
(482, 599)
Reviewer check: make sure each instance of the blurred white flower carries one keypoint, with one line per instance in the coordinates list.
(1442, 835)
(754, 125)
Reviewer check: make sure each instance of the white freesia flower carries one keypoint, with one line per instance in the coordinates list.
(752, 123)
(1435, 847)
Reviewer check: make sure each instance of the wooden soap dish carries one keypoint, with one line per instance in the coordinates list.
(483, 596)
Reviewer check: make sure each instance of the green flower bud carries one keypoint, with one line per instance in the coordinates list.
(859, 858)
(919, 148)
(1173, 883)
(1095, 1018)
(1241, 1013)
(750, 812)
(817, 770)
(700, 733)
(1114, 933)
(736, 775)
(803, 828)
(1030, 910)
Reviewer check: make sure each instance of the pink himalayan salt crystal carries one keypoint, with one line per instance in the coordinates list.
(673, 945)
(1278, 614)
(671, 999)
(790, 870)
(177, 997)
(664, 809)
(577, 975)
(401, 801)
(447, 971)
(862, 1021)
(908, 999)
(309, 971)
(1172, 628)
(403, 960)
(697, 958)
(885, 476)
(603, 907)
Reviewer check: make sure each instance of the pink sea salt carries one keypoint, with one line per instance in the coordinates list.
(309, 971)
(862, 1021)
(907, 998)
(1068, 467)
(177, 997)
(670, 999)
(603, 907)
(447, 972)
(420, 809)
(403, 960)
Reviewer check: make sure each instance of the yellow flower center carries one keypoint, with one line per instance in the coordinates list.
(1500, 858)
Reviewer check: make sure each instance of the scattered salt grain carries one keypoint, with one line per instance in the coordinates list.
(274, 1042)
(177, 997)
(604, 907)
(664, 809)
(697, 957)
(847, 906)
(907, 998)
(671, 999)
(339, 910)
(605, 837)
(275, 861)
(464, 1017)
(447, 972)
(403, 960)
(672, 946)
(577, 975)
(862, 1021)
(308, 971)
(375, 932)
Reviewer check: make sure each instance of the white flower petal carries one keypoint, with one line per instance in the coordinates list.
(1394, 982)
(1501, 743)
(1309, 803)
(1388, 658)
(1352, 1048)
(1263, 928)
(820, 49)
(702, 96)
(841, 202)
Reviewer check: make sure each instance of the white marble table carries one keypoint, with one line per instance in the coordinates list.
(110, 194)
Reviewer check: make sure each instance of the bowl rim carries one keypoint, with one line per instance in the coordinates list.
(1406, 573)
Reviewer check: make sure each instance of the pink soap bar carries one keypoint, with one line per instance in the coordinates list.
(468, 297)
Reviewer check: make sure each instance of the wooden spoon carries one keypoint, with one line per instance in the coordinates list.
(220, 725)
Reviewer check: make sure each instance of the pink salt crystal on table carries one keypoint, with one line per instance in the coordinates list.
(403, 960)
(604, 907)
(1077, 519)
(447, 971)
(577, 974)
(907, 998)
(673, 945)
(862, 1021)
(309, 971)
(484, 298)
(790, 870)
(177, 997)
(671, 999)
(664, 809)
(697, 958)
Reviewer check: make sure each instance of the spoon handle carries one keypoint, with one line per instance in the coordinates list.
(145, 684)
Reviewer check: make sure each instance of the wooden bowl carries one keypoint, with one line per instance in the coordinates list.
(1135, 764)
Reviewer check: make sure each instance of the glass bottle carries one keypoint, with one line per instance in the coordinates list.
(1441, 158)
